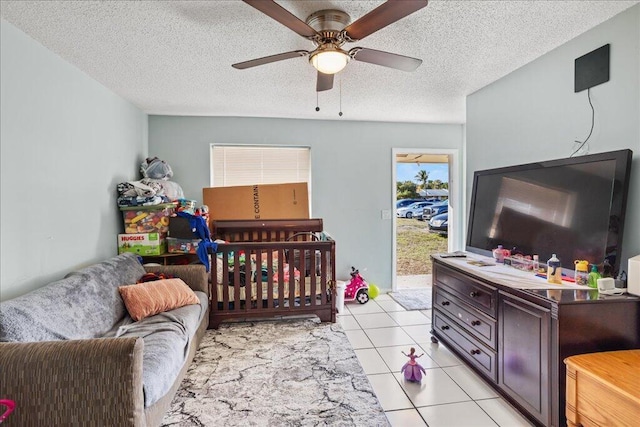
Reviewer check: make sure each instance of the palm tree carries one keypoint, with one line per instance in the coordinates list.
(406, 190)
(422, 177)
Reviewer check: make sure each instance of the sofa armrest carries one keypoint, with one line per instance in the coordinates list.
(194, 275)
(77, 382)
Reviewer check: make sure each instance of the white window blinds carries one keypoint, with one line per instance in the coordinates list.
(249, 165)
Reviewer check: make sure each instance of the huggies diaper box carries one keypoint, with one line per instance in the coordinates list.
(142, 243)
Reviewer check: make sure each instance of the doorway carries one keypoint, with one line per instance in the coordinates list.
(429, 178)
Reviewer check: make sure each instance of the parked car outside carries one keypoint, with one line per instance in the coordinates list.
(432, 202)
(435, 209)
(439, 224)
(402, 203)
(412, 211)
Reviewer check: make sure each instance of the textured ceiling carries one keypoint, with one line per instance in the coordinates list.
(174, 57)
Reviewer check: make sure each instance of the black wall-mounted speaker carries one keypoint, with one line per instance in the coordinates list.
(592, 69)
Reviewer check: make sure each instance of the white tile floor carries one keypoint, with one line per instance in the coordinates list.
(450, 394)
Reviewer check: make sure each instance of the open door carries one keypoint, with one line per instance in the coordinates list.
(426, 218)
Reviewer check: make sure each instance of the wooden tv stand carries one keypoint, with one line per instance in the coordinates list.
(517, 339)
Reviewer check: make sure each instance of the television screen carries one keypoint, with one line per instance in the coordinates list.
(573, 208)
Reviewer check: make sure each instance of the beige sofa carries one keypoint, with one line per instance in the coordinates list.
(71, 370)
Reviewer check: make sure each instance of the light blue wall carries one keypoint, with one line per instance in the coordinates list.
(351, 171)
(65, 141)
(533, 114)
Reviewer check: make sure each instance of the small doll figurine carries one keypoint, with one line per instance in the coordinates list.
(412, 369)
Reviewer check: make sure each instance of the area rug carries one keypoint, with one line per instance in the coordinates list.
(282, 373)
(413, 299)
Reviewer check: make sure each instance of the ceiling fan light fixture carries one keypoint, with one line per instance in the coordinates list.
(329, 59)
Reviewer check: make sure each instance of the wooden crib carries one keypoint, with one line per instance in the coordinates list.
(272, 269)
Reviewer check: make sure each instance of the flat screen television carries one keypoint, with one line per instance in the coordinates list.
(572, 207)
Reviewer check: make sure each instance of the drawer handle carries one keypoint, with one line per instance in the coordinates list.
(444, 328)
(445, 303)
(475, 323)
(474, 294)
(474, 352)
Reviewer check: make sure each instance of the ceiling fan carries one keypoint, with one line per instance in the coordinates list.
(330, 29)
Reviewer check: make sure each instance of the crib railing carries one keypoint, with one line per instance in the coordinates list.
(273, 279)
(272, 230)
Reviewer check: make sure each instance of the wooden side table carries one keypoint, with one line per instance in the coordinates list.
(603, 389)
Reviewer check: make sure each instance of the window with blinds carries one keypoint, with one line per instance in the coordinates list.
(250, 165)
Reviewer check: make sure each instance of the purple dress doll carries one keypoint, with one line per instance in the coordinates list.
(412, 369)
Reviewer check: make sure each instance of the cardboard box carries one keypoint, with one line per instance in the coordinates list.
(269, 201)
(142, 243)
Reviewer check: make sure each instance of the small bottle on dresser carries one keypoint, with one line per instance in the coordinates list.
(554, 270)
(594, 275)
(581, 272)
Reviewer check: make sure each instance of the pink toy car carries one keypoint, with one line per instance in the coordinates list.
(357, 289)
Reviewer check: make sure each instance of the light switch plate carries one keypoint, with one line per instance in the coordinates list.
(386, 214)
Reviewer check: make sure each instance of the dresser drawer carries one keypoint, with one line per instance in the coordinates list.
(484, 359)
(473, 292)
(477, 323)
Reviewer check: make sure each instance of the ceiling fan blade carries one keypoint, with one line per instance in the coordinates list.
(270, 59)
(325, 82)
(386, 59)
(283, 16)
(383, 15)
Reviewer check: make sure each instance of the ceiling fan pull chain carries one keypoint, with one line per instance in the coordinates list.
(317, 107)
(340, 113)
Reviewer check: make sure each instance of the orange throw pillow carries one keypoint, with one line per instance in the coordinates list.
(149, 298)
